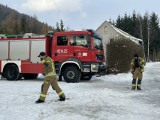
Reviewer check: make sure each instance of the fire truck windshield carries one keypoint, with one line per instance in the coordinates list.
(80, 40)
(97, 42)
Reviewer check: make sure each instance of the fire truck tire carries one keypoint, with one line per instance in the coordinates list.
(30, 76)
(11, 72)
(72, 74)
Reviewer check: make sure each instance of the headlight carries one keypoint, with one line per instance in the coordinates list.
(94, 67)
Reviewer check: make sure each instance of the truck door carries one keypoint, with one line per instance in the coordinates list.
(81, 47)
(60, 48)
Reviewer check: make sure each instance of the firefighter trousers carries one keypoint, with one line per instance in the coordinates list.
(137, 74)
(51, 80)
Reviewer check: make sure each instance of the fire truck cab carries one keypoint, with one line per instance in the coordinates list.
(78, 55)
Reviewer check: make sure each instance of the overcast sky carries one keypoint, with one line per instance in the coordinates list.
(81, 14)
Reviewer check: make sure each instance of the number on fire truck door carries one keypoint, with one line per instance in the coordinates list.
(65, 51)
(61, 49)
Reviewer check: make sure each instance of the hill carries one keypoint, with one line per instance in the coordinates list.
(13, 22)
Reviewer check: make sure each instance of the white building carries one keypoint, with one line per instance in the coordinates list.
(109, 32)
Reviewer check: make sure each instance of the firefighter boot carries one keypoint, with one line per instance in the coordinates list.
(62, 97)
(139, 85)
(39, 101)
(133, 84)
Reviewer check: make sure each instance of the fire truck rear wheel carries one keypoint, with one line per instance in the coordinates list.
(30, 76)
(71, 74)
(11, 72)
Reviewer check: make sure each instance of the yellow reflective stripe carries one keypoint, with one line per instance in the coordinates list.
(139, 85)
(60, 93)
(50, 75)
(53, 67)
(142, 70)
(133, 85)
(43, 61)
(42, 95)
(48, 61)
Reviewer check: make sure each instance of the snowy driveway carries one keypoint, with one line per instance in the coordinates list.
(104, 98)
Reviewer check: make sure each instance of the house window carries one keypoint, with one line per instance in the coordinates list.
(105, 29)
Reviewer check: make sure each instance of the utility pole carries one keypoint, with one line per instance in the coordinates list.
(148, 45)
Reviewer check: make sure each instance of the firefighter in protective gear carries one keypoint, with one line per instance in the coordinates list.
(50, 79)
(137, 69)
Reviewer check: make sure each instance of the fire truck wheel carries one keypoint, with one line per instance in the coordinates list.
(72, 74)
(11, 72)
(30, 76)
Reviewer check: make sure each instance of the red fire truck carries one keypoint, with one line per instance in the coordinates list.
(77, 55)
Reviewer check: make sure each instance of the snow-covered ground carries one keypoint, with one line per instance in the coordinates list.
(103, 98)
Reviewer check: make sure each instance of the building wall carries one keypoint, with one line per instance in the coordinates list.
(107, 33)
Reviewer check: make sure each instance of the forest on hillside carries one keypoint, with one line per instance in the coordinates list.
(13, 22)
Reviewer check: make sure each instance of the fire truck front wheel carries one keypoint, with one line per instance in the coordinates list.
(72, 74)
(11, 72)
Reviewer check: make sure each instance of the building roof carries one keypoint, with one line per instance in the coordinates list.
(123, 33)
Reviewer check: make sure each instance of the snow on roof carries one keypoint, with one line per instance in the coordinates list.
(123, 33)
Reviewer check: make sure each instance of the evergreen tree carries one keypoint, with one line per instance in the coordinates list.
(57, 27)
(154, 32)
(24, 25)
(145, 26)
(135, 28)
(61, 26)
(35, 27)
(119, 22)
